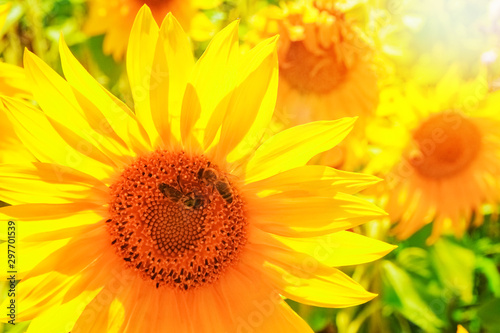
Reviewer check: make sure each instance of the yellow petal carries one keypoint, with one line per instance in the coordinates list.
(342, 248)
(306, 280)
(49, 183)
(299, 214)
(252, 103)
(110, 143)
(30, 212)
(13, 81)
(116, 316)
(110, 118)
(137, 318)
(317, 179)
(191, 110)
(54, 229)
(42, 292)
(45, 291)
(80, 252)
(336, 290)
(284, 319)
(32, 253)
(95, 277)
(294, 147)
(96, 315)
(55, 97)
(81, 128)
(140, 55)
(213, 78)
(172, 66)
(61, 318)
(37, 133)
(257, 307)
(37, 295)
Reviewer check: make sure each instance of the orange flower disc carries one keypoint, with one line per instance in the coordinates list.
(155, 5)
(309, 72)
(316, 56)
(447, 144)
(166, 238)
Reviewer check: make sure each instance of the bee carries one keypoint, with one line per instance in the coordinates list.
(211, 177)
(189, 200)
(208, 176)
(170, 192)
(193, 200)
(224, 190)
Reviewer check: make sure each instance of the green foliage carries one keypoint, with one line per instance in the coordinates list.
(405, 298)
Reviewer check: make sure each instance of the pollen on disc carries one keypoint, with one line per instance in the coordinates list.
(171, 225)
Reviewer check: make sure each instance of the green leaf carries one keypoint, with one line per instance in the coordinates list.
(105, 62)
(489, 269)
(319, 318)
(455, 267)
(415, 260)
(316, 317)
(488, 313)
(411, 304)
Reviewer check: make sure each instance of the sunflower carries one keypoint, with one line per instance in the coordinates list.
(13, 83)
(441, 153)
(326, 70)
(115, 18)
(174, 218)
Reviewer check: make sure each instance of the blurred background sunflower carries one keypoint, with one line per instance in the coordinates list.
(441, 155)
(327, 69)
(114, 19)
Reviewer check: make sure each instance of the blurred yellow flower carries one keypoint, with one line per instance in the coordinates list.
(174, 218)
(326, 70)
(441, 151)
(461, 329)
(13, 83)
(114, 18)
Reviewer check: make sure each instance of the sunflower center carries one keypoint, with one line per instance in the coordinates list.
(176, 219)
(447, 143)
(310, 72)
(153, 3)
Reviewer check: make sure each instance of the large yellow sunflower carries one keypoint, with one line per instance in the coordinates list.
(115, 18)
(174, 218)
(442, 153)
(326, 70)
